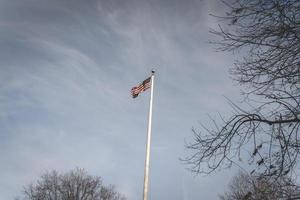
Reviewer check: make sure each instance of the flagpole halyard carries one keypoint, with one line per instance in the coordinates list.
(147, 160)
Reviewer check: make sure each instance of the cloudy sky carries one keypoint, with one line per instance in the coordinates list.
(66, 70)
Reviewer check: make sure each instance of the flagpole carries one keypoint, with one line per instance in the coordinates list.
(146, 171)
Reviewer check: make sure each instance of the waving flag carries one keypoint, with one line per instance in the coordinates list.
(135, 91)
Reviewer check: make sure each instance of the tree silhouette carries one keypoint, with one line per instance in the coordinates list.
(74, 185)
(267, 34)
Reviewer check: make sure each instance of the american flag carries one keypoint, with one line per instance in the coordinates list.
(135, 91)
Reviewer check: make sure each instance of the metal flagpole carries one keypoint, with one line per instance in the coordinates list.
(146, 175)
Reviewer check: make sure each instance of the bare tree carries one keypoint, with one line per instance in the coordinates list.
(75, 185)
(267, 33)
(246, 187)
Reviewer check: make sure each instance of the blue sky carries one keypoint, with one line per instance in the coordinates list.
(66, 70)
